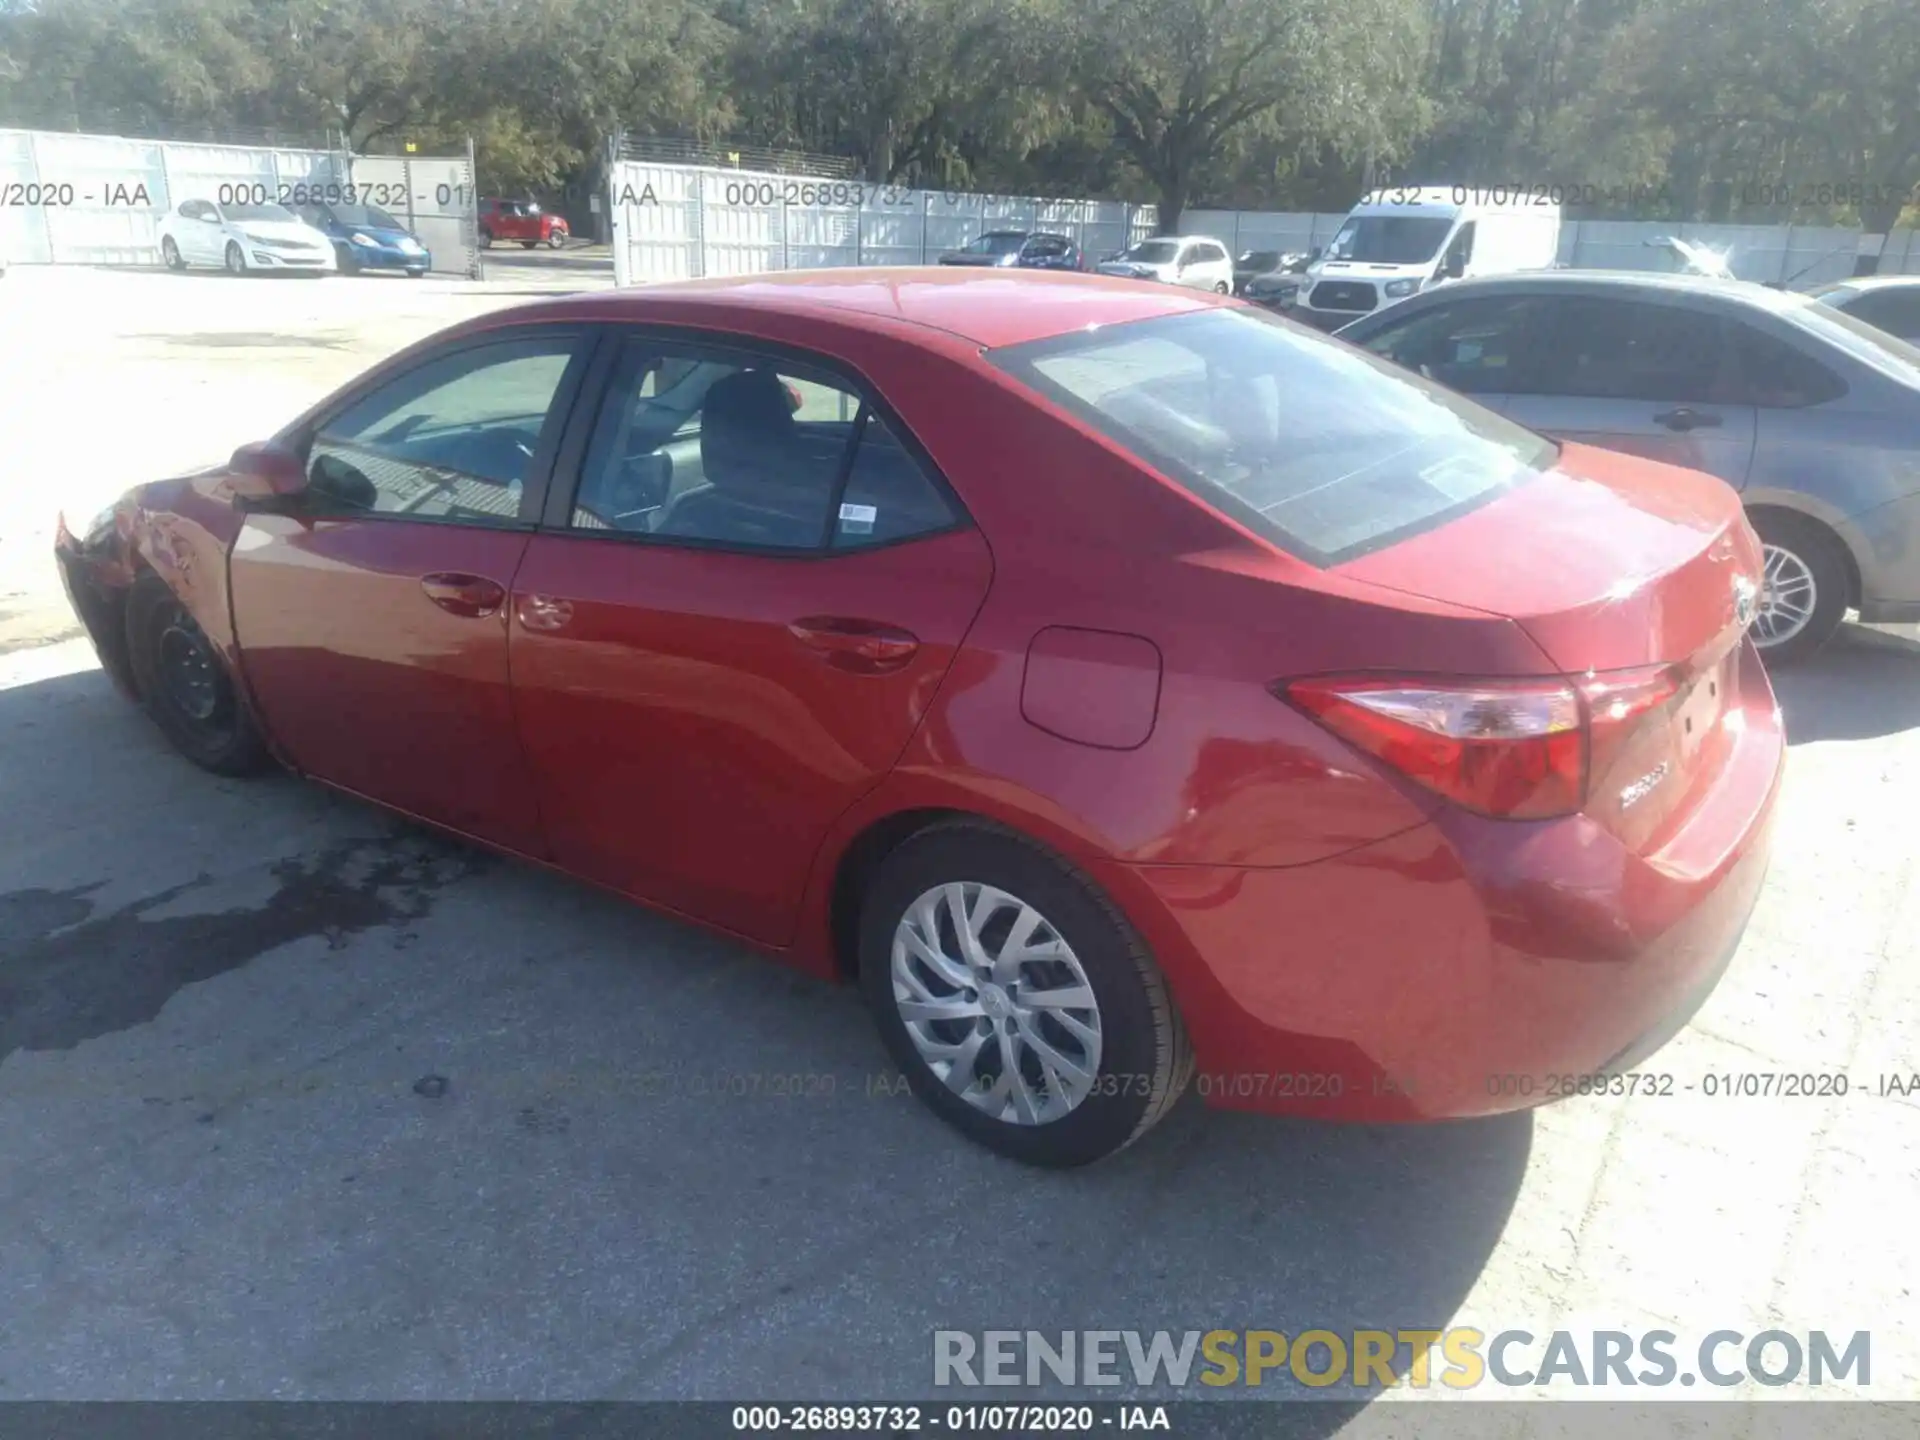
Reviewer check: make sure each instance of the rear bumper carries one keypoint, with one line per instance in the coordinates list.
(1464, 967)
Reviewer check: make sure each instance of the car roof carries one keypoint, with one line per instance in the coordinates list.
(1613, 282)
(989, 308)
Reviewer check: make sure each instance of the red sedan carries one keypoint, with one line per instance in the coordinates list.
(521, 220)
(1112, 679)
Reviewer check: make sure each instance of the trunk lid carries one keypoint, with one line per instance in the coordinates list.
(1636, 579)
(1608, 561)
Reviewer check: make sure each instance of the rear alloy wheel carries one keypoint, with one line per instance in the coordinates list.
(1222, 288)
(170, 253)
(236, 261)
(1803, 588)
(1021, 1006)
(185, 685)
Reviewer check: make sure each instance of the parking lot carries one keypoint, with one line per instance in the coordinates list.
(296, 1101)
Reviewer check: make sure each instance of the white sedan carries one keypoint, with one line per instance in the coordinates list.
(242, 238)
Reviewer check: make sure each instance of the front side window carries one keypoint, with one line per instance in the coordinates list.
(1322, 449)
(1472, 346)
(453, 439)
(746, 455)
(1390, 239)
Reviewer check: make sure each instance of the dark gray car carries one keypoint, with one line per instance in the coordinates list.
(1812, 415)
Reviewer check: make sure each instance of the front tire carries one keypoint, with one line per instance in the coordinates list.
(1022, 1007)
(236, 261)
(1804, 587)
(528, 244)
(185, 686)
(557, 240)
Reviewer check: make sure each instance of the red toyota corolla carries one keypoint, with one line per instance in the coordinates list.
(1115, 680)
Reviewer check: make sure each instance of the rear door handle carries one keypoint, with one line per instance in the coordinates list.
(860, 647)
(471, 597)
(1687, 419)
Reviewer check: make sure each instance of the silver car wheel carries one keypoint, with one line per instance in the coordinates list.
(1788, 597)
(996, 1002)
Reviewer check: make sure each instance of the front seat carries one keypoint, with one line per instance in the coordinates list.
(762, 486)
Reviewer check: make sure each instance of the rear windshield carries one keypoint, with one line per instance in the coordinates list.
(1322, 449)
(1885, 352)
(996, 243)
(1155, 252)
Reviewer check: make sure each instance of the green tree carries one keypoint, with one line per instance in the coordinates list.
(1186, 87)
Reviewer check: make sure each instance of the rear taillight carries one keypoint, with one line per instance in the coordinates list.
(1516, 749)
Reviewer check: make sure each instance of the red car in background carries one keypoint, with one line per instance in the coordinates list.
(1118, 683)
(522, 220)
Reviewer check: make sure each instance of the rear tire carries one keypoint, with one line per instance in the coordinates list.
(1222, 288)
(185, 686)
(486, 238)
(170, 254)
(1804, 588)
(1127, 1054)
(349, 265)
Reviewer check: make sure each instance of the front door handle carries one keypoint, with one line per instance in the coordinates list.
(471, 597)
(1684, 419)
(860, 647)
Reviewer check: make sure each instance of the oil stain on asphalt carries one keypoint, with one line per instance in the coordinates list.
(68, 974)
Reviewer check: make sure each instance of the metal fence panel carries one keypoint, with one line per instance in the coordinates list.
(680, 221)
(97, 199)
(1900, 255)
(655, 213)
(23, 227)
(434, 196)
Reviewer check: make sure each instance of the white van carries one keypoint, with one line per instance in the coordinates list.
(1396, 243)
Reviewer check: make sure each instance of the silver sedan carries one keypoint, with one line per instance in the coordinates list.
(1812, 415)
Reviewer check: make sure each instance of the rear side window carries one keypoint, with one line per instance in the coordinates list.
(1775, 376)
(1321, 449)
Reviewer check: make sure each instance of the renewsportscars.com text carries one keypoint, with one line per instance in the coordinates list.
(1382, 1359)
